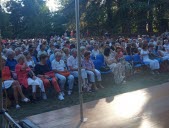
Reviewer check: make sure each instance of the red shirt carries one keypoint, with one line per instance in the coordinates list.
(22, 75)
(6, 73)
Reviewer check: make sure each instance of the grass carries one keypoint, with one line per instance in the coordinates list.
(138, 81)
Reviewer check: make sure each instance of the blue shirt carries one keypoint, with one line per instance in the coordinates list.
(11, 64)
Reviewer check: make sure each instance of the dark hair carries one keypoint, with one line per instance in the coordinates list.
(118, 48)
(135, 50)
(151, 45)
(72, 46)
(26, 53)
(145, 46)
(42, 56)
(67, 42)
(86, 53)
(57, 46)
(107, 51)
(42, 46)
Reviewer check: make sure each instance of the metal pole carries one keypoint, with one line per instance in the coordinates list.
(148, 2)
(148, 15)
(79, 57)
(1, 96)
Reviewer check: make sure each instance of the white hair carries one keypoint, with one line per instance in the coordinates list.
(58, 54)
(10, 52)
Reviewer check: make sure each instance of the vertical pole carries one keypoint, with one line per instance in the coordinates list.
(79, 57)
(1, 95)
(148, 16)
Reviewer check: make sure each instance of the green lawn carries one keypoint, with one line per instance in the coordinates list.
(138, 81)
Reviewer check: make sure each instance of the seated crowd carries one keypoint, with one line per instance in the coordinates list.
(38, 63)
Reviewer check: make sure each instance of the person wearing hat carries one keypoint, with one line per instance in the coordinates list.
(8, 83)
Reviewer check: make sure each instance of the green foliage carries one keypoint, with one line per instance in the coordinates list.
(122, 16)
(32, 18)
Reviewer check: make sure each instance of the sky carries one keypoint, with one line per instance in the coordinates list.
(53, 5)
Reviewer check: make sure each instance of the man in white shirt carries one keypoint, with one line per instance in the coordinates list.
(166, 45)
(58, 66)
(95, 51)
(72, 64)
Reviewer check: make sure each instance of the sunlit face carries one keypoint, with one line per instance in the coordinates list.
(58, 58)
(53, 5)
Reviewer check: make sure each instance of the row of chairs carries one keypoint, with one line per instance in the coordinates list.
(135, 60)
(99, 63)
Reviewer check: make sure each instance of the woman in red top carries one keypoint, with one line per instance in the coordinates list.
(22, 70)
(9, 82)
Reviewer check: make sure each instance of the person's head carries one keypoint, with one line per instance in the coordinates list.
(145, 46)
(27, 55)
(67, 43)
(66, 51)
(151, 46)
(13, 47)
(43, 58)
(117, 45)
(82, 49)
(74, 52)
(133, 45)
(31, 51)
(140, 45)
(10, 54)
(107, 51)
(42, 47)
(140, 40)
(166, 41)
(21, 59)
(88, 47)
(52, 47)
(87, 55)
(23, 46)
(72, 46)
(118, 49)
(159, 42)
(95, 46)
(151, 41)
(136, 51)
(3, 61)
(17, 51)
(57, 50)
(4, 52)
(128, 44)
(102, 45)
(58, 56)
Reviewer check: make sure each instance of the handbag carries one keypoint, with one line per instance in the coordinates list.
(66, 74)
(30, 74)
(104, 68)
(14, 75)
(50, 74)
